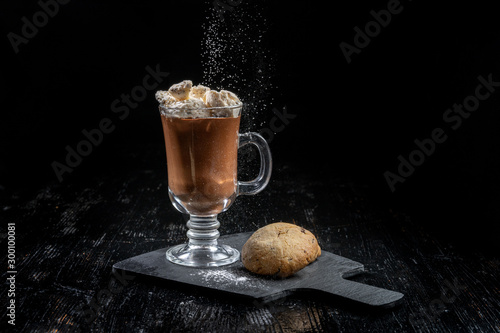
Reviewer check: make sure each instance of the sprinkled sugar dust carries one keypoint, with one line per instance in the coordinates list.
(213, 277)
(236, 56)
(222, 276)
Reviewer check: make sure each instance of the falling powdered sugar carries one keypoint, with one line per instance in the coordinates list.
(236, 55)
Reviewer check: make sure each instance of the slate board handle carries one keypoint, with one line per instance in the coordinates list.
(363, 293)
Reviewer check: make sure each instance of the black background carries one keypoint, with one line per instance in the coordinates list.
(351, 120)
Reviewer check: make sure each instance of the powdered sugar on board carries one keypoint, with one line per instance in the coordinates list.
(211, 277)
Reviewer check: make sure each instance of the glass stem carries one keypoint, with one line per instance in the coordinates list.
(203, 230)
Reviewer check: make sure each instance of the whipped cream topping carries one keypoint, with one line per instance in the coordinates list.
(185, 101)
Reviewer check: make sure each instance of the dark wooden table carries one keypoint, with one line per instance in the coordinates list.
(69, 234)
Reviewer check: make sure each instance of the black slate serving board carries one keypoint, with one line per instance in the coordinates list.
(327, 274)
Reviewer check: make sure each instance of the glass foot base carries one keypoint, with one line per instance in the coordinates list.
(202, 255)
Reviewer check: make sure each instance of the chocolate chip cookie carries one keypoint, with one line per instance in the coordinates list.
(279, 249)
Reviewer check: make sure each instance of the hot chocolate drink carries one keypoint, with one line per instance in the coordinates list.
(202, 162)
(200, 127)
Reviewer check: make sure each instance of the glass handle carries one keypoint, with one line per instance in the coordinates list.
(266, 164)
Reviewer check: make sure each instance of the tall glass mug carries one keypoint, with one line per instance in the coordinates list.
(202, 155)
